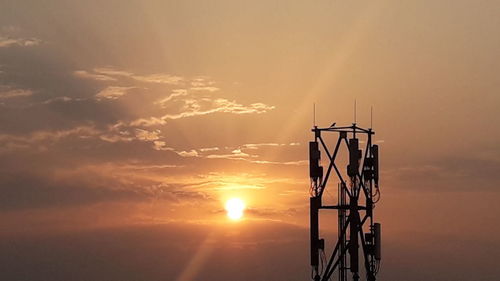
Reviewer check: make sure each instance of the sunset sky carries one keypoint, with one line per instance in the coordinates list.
(125, 126)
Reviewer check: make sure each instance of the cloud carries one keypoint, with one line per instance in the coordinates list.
(245, 157)
(209, 149)
(46, 136)
(203, 83)
(152, 121)
(191, 153)
(28, 191)
(192, 98)
(116, 138)
(9, 93)
(22, 42)
(208, 89)
(62, 99)
(237, 153)
(217, 181)
(94, 76)
(113, 134)
(234, 186)
(112, 92)
(292, 163)
(258, 145)
(161, 145)
(146, 135)
(159, 78)
(64, 186)
(197, 106)
(234, 154)
(113, 72)
(175, 94)
(149, 167)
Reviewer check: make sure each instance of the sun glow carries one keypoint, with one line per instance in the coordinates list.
(235, 208)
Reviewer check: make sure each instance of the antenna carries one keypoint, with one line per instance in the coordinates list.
(371, 117)
(314, 114)
(354, 111)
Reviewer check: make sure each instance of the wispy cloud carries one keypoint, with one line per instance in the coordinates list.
(292, 163)
(191, 97)
(258, 145)
(237, 153)
(175, 94)
(8, 93)
(52, 135)
(161, 145)
(233, 156)
(111, 74)
(6, 41)
(203, 84)
(112, 92)
(193, 107)
(245, 157)
(235, 181)
(197, 106)
(158, 78)
(62, 99)
(149, 167)
(42, 138)
(208, 89)
(205, 149)
(191, 153)
(94, 76)
(146, 135)
(113, 134)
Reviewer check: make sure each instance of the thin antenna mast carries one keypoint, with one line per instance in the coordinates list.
(371, 117)
(354, 111)
(314, 114)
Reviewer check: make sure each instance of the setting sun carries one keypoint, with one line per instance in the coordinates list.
(235, 208)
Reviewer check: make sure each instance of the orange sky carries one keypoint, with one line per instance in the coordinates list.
(136, 121)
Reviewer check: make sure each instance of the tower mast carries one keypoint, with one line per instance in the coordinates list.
(357, 193)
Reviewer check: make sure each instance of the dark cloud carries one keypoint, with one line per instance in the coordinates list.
(22, 191)
(58, 188)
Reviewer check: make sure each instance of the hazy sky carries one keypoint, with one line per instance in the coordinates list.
(126, 125)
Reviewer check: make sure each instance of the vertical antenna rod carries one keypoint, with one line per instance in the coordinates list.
(314, 114)
(354, 111)
(371, 117)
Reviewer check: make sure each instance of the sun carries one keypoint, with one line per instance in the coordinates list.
(235, 208)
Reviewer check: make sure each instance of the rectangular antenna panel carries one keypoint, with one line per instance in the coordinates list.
(378, 241)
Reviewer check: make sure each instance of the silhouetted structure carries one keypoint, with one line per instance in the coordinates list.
(356, 200)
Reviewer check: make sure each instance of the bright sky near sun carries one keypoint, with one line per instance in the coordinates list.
(117, 115)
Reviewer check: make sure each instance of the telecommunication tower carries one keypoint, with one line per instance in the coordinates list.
(358, 191)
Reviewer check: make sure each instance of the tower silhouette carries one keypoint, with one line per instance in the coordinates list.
(357, 193)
